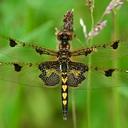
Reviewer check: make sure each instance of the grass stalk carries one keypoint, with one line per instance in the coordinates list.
(74, 111)
(116, 101)
(89, 75)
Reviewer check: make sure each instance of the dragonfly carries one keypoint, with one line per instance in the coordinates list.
(63, 70)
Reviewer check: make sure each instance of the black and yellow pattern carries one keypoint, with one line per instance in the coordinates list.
(76, 73)
(50, 73)
(64, 95)
(63, 70)
(70, 74)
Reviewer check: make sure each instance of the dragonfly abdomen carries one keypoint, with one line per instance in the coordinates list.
(64, 95)
(64, 90)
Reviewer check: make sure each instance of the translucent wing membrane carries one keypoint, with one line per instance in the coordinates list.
(21, 74)
(63, 70)
(87, 51)
(84, 51)
(38, 49)
(29, 75)
(51, 69)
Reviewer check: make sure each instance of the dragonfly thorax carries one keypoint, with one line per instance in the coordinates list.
(64, 51)
(64, 46)
(64, 55)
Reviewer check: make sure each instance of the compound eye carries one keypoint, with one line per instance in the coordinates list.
(64, 36)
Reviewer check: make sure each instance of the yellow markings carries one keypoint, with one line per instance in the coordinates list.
(64, 73)
(64, 80)
(64, 102)
(50, 71)
(76, 72)
(64, 87)
(64, 95)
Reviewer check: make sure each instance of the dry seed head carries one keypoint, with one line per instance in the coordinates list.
(97, 29)
(113, 4)
(68, 21)
(84, 27)
(90, 4)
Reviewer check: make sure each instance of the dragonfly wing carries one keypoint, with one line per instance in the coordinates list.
(50, 73)
(76, 73)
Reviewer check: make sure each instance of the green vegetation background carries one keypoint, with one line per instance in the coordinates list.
(24, 103)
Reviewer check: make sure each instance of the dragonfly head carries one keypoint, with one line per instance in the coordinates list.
(64, 36)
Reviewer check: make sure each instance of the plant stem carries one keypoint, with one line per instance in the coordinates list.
(89, 77)
(116, 105)
(74, 111)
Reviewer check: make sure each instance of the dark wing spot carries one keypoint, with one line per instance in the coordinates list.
(17, 67)
(88, 51)
(39, 50)
(104, 46)
(96, 68)
(30, 64)
(115, 44)
(109, 72)
(12, 43)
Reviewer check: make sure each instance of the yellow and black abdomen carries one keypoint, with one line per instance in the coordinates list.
(72, 76)
(64, 90)
(64, 93)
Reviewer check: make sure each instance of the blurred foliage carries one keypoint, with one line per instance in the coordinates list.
(24, 103)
